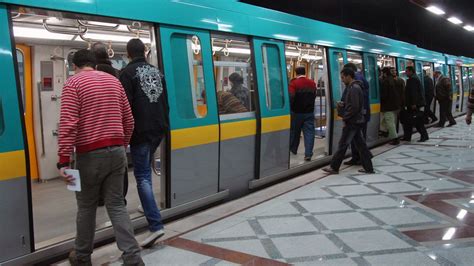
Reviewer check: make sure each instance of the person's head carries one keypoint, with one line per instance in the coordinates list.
(83, 59)
(351, 66)
(386, 72)
(135, 48)
(300, 71)
(236, 79)
(409, 71)
(100, 51)
(347, 75)
(437, 74)
(393, 71)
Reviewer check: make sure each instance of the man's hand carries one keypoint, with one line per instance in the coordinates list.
(67, 178)
(468, 119)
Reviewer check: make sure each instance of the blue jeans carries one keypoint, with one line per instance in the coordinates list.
(305, 122)
(142, 157)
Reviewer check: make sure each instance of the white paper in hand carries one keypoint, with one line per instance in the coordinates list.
(77, 180)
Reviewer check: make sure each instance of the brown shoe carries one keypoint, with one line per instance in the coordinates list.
(74, 261)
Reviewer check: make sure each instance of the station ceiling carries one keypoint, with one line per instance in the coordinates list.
(404, 20)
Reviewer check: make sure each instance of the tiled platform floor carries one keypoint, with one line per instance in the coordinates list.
(417, 210)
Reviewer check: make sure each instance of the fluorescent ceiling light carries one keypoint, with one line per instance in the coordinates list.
(286, 37)
(436, 10)
(304, 56)
(231, 50)
(469, 28)
(355, 47)
(455, 20)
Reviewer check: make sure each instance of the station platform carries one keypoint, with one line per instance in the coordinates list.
(418, 209)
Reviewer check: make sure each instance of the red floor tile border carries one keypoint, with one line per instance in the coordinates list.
(463, 175)
(221, 253)
(441, 234)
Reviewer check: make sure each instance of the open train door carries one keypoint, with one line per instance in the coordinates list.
(337, 59)
(193, 169)
(15, 196)
(274, 105)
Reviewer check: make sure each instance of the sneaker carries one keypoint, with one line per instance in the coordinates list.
(366, 172)
(73, 260)
(395, 142)
(352, 162)
(306, 158)
(140, 209)
(330, 171)
(151, 238)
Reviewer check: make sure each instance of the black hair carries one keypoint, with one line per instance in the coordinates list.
(100, 51)
(236, 78)
(386, 71)
(135, 48)
(351, 66)
(410, 68)
(300, 71)
(347, 71)
(84, 58)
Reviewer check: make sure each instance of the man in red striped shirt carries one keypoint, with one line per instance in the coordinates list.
(97, 121)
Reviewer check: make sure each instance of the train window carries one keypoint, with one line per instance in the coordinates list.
(356, 58)
(21, 71)
(273, 77)
(188, 76)
(385, 61)
(313, 59)
(372, 77)
(233, 74)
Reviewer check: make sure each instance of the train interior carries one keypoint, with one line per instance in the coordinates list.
(45, 42)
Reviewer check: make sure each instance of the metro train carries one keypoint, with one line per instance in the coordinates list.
(207, 156)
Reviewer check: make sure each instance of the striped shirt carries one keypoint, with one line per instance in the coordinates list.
(95, 113)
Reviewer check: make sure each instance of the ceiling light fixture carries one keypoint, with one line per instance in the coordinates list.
(469, 28)
(435, 10)
(455, 20)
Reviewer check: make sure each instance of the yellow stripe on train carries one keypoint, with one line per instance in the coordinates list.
(276, 123)
(12, 165)
(239, 129)
(194, 136)
(374, 109)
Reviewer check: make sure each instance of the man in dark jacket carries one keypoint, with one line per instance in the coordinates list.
(103, 61)
(429, 94)
(414, 101)
(365, 90)
(444, 95)
(353, 116)
(144, 86)
(389, 104)
(302, 95)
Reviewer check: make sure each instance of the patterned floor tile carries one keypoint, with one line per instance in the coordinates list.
(374, 240)
(374, 178)
(401, 216)
(304, 246)
(396, 187)
(345, 221)
(253, 247)
(374, 201)
(324, 205)
(458, 256)
(352, 190)
(426, 166)
(286, 225)
(409, 258)
(331, 262)
(413, 176)
(438, 184)
(392, 169)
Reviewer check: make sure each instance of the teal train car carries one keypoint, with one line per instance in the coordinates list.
(210, 154)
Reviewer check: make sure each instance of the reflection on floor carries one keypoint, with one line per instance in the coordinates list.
(318, 151)
(417, 210)
(54, 209)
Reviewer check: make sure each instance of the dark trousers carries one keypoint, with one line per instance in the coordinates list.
(428, 112)
(352, 132)
(445, 107)
(414, 118)
(355, 152)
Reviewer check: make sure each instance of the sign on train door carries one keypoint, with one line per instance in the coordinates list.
(274, 126)
(337, 59)
(194, 157)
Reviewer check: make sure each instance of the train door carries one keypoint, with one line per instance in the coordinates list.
(337, 59)
(466, 88)
(419, 73)
(15, 196)
(23, 55)
(372, 75)
(236, 97)
(428, 71)
(194, 124)
(274, 107)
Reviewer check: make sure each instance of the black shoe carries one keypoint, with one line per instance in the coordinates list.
(406, 139)
(306, 158)
(366, 171)
(438, 125)
(451, 124)
(352, 162)
(294, 153)
(101, 203)
(395, 142)
(434, 120)
(422, 140)
(73, 260)
(330, 171)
